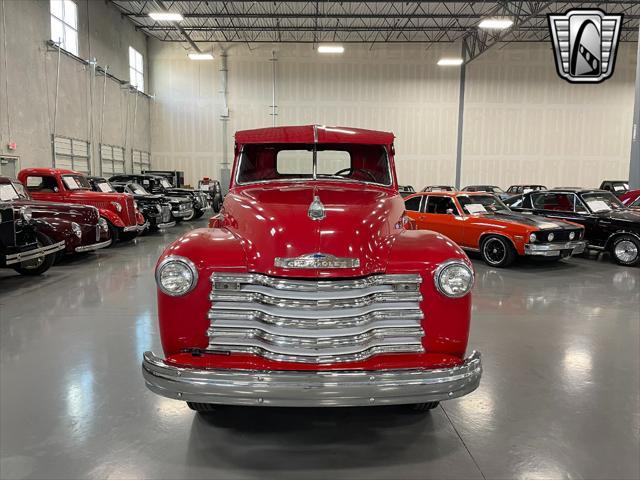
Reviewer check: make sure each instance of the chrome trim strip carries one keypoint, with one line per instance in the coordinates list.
(94, 246)
(325, 304)
(348, 356)
(554, 249)
(314, 285)
(228, 314)
(326, 388)
(38, 252)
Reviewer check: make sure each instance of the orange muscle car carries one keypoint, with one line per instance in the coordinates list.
(481, 222)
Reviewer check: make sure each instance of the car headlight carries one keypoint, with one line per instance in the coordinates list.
(453, 278)
(551, 237)
(532, 238)
(75, 228)
(117, 206)
(572, 235)
(176, 275)
(104, 226)
(26, 213)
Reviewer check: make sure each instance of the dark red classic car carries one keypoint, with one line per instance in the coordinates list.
(308, 289)
(79, 226)
(57, 185)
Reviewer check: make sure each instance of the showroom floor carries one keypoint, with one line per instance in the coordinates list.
(559, 397)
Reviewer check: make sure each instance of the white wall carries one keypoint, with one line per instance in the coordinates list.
(522, 122)
(27, 105)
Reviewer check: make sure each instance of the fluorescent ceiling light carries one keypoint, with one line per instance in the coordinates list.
(166, 17)
(201, 56)
(450, 62)
(495, 23)
(330, 49)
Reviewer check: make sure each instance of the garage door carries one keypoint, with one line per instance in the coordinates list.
(111, 160)
(71, 153)
(141, 161)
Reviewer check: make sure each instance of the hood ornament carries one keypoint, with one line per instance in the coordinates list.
(316, 209)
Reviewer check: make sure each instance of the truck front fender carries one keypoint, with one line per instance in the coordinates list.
(111, 217)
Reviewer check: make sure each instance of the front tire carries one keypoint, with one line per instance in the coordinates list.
(497, 251)
(39, 265)
(128, 236)
(114, 232)
(197, 214)
(626, 250)
(202, 407)
(423, 407)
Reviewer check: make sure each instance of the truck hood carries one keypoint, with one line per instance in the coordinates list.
(359, 223)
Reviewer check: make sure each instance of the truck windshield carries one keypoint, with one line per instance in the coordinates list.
(76, 182)
(104, 187)
(138, 189)
(340, 162)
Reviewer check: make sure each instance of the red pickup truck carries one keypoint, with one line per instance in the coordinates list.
(67, 186)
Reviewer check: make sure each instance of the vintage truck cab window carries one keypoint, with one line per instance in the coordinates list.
(309, 289)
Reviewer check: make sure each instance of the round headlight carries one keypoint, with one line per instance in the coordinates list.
(117, 206)
(453, 278)
(532, 238)
(176, 276)
(551, 237)
(104, 226)
(572, 235)
(26, 214)
(75, 228)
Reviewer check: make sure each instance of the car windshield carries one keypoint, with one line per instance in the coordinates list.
(635, 203)
(165, 183)
(339, 162)
(76, 182)
(601, 202)
(104, 186)
(138, 189)
(8, 192)
(22, 192)
(480, 204)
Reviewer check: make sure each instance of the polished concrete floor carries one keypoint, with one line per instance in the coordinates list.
(559, 397)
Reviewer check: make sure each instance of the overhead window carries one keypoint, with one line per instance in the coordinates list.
(71, 153)
(64, 24)
(112, 158)
(136, 69)
(141, 161)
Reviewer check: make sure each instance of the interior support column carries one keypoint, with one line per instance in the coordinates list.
(463, 72)
(634, 163)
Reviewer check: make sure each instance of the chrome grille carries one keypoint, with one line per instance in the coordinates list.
(165, 211)
(315, 321)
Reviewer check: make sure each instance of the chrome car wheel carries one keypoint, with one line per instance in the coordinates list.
(625, 251)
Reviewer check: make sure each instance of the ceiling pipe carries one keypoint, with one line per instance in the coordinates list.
(179, 28)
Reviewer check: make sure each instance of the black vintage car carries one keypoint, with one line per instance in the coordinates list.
(179, 207)
(214, 191)
(154, 208)
(617, 187)
(160, 185)
(22, 246)
(609, 226)
(520, 189)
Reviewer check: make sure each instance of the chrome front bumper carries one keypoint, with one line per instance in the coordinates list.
(554, 249)
(95, 246)
(35, 253)
(136, 228)
(311, 389)
(182, 213)
(166, 225)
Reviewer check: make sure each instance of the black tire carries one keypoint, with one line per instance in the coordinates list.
(217, 204)
(497, 251)
(128, 236)
(114, 231)
(202, 407)
(625, 249)
(41, 265)
(197, 214)
(424, 407)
